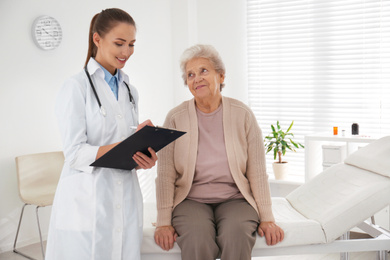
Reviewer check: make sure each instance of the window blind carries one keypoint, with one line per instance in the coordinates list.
(321, 64)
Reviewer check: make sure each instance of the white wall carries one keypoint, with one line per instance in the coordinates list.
(30, 78)
(221, 23)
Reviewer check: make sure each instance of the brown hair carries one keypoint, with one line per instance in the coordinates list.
(102, 23)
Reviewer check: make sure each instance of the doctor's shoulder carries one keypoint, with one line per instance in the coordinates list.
(76, 84)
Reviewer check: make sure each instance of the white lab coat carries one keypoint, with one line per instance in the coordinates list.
(97, 212)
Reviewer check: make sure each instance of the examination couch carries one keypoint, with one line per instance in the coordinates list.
(317, 216)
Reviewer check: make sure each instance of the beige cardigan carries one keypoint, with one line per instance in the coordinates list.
(245, 152)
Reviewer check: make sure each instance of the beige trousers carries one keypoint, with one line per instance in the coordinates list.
(207, 231)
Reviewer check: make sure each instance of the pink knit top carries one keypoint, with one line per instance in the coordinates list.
(213, 182)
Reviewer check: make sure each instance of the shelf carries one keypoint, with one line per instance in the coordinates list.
(292, 181)
(340, 138)
(313, 151)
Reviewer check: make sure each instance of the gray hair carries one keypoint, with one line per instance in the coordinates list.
(202, 51)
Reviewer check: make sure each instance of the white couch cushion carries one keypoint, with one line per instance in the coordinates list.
(298, 229)
(341, 197)
(374, 157)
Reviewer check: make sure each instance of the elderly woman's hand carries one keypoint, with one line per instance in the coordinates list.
(272, 232)
(165, 237)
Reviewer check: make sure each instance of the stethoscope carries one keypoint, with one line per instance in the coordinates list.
(101, 108)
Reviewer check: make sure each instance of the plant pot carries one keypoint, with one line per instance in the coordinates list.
(280, 170)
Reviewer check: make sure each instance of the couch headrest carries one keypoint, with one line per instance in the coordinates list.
(374, 157)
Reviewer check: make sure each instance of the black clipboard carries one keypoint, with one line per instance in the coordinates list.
(120, 157)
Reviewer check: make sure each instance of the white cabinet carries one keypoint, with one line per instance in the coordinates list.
(333, 154)
(314, 152)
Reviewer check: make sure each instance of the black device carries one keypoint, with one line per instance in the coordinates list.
(355, 129)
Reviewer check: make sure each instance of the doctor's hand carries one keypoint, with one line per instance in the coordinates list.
(165, 237)
(144, 161)
(147, 122)
(272, 232)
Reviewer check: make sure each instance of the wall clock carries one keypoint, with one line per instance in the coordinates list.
(46, 32)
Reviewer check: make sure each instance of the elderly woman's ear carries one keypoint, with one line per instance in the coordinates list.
(222, 81)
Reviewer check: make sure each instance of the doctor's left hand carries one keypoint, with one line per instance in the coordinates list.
(144, 161)
(145, 123)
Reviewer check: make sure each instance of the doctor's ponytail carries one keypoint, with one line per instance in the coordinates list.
(102, 23)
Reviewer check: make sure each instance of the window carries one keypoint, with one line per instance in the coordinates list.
(321, 64)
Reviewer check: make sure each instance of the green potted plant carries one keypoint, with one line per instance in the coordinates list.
(279, 141)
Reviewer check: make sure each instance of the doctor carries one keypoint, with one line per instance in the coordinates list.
(97, 212)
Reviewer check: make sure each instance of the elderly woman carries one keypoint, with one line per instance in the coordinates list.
(212, 186)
